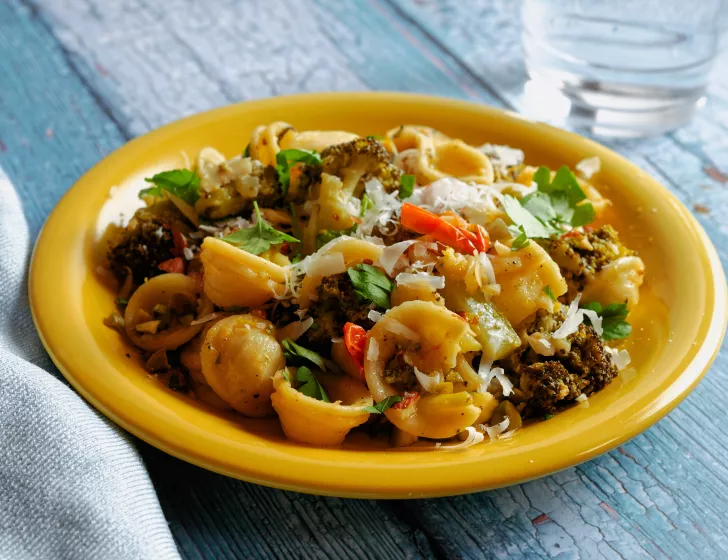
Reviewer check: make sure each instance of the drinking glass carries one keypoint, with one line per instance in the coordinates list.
(623, 67)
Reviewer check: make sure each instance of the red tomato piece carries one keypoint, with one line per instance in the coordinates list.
(176, 264)
(355, 340)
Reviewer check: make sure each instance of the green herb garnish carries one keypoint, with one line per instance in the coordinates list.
(614, 315)
(327, 235)
(555, 203)
(386, 404)
(285, 159)
(259, 238)
(287, 376)
(371, 284)
(376, 137)
(298, 355)
(246, 151)
(366, 204)
(310, 386)
(548, 416)
(559, 201)
(549, 292)
(121, 301)
(406, 186)
(520, 239)
(182, 183)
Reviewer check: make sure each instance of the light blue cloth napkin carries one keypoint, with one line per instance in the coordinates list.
(72, 484)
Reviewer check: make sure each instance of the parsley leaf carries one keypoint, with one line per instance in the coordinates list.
(525, 221)
(259, 238)
(549, 292)
(520, 239)
(555, 203)
(406, 186)
(121, 301)
(386, 404)
(328, 234)
(366, 204)
(298, 355)
(180, 182)
(310, 386)
(371, 284)
(614, 315)
(376, 137)
(246, 152)
(285, 159)
(563, 194)
(287, 376)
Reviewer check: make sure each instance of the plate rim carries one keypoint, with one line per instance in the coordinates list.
(693, 372)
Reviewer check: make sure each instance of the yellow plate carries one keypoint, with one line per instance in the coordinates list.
(678, 325)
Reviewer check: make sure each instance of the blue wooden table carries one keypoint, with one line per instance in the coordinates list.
(78, 78)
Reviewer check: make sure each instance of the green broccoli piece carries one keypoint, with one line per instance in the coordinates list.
(358, 161)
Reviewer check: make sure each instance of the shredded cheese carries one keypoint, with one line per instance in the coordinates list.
(429, 382)
(495, 431)
(390, 256)
(474, 437)
(589, 167)
(412, 279)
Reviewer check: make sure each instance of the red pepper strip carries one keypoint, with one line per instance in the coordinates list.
(426, 223)
(407, 400)
(482, 239)
(172, 265)
(355, 340)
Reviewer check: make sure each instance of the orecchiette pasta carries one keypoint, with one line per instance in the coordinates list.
(317, 140)
(154, 304)
(236, 277)
(523, 277)
(433, 347)
(351, 251)
(315, 422)
(619, 281)
(413, 283)
(239, 357)
(265, 141)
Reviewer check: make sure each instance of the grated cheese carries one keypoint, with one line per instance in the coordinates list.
(429, 382)
(474, 437)
(495, 431)
(411, 279)
(390, 256)
(589, 167)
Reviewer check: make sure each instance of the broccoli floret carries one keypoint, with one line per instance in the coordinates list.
(243, 180)
(358, 161)
(336, 305)
(580, 255)
(146, 241)
(548, 382)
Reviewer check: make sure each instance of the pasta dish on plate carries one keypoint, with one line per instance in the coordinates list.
(408, 285)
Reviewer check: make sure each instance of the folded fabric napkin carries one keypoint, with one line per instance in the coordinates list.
(72, 484)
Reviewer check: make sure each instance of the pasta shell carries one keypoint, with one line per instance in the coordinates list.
(430, 155)
(354, 251)
(239, 357)
(618, 281)
(235, 277)
(166, 290)
(440, 334)
(265, 141)
(523, 276)
(317, 140)
(315, 422)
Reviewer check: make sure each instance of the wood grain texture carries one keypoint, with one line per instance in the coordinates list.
(87, 74)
